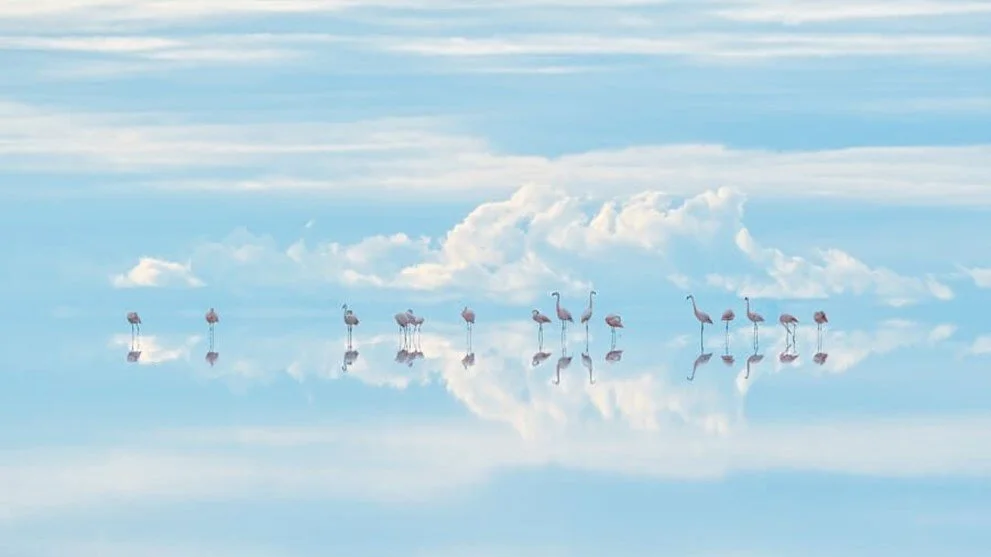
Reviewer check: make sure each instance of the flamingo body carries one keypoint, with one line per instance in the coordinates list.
(211, 317)
(614, 321)
(468, 315)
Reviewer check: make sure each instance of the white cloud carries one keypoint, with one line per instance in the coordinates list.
(543, 238)
(838, 273)
(417, 157)
(152, 272)
(154, 350)
(812, 11)
(982, 277)
(982, 345)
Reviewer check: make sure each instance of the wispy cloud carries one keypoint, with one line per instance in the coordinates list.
(152, 272)
(811, 11)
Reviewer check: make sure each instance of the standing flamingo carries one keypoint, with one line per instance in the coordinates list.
(350, 320)
(790, 323)
(562, 314)
(755, 318)
(540, 319)
(135, 321)
(615, 322)
(728, 316)
(469, 316)
(820, 318)
(402, 319)
(587, 314)
(703, 318)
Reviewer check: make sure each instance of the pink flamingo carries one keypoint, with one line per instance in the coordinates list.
(135, 321)
(402, 319)
(754, 318)
(350, 321)
(728, 316)
(587, 314)
(540, 319)
(415, 321)
(469, 316)
(703, 318)
(820, 318)
(615, 322)
(790, 323)
(562, 314)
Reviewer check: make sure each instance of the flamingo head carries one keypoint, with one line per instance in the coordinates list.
(592, 293)
(558, 294)
(535, 312)
(689, 297)
(746, 298)
(344, 307)
(409, 311)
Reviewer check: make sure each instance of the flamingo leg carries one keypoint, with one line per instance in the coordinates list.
(612, 345)
(702, 336)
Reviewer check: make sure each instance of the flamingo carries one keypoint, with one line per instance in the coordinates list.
(755, 318)
(415, 321)
(133, 356)
(402, 319)
(728, 359)
(820, 358)
(562, 314)
(703, 318)
(211, 357)
(587, 362)
(587, 314)
(350, 320)
(540, 319)
(615, 322)
(820, 318)
(135, 321)
(211, 320)
(728, 316)
(700, 361)
(469, 316)
(790, 323)
(614, 356)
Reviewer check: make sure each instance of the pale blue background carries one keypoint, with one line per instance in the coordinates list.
(129, 130)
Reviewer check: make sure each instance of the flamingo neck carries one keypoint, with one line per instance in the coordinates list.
(694, 307)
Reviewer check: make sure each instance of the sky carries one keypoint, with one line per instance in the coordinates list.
(276, 160)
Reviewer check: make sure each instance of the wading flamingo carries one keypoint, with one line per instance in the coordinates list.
(790, 323)
(754, 318)
(703, 318)
(540, 319)
(402, 319)
(415, 322)
(350, 320)
(211, 320)
(820, 318)
(728, 316)
(587, 314)
(562, 314)
(135, 321)
(615, 322)
(469, 316)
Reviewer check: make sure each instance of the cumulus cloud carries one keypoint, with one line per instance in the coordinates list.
(981, 345)
(153, 272)
(834, 272)
(544, 238)
(981, 277)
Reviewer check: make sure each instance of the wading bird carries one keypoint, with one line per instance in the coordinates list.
(587, 314)
(754, 318)
(703, 318)
(350, 320)
(562, 314)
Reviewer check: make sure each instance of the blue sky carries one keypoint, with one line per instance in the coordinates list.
(275, 160)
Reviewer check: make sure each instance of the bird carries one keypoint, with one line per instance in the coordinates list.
(402, 319)
(562, 314)
(135, 321)
(614, 356)
(212, 318)
(562, 363)
(469, 316)
(468, 360)
(211, 357)
(540, 319)
(790, 323)
(703, 318)
(350, 356)
(539, 357)
(350, 320)
(754, 317)
(615, 322)
(820, 358)
(587, 314)
(728, 359)
(415, 321)
(787, 357)
(728, 316)
(820, 318)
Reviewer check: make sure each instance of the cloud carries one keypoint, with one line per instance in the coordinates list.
(982, 277)
(152, 272)
(430, 157)
(155, 350)
(838, 273)
(543, 238)
(982, 345)
(811, 11)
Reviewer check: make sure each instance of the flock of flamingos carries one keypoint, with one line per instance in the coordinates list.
(410, 326)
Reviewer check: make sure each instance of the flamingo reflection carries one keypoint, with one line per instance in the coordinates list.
(539, 357)
(350, 357)
(614, 356)
(211, 357)
(134, 353)
(212, 319)
(469, 358)
(587, 362)
(754, 359)
(701, 360)
(562, 363)
(789, 355)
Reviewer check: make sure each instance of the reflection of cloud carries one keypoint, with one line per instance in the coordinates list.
(439, 459)
(154, 350)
